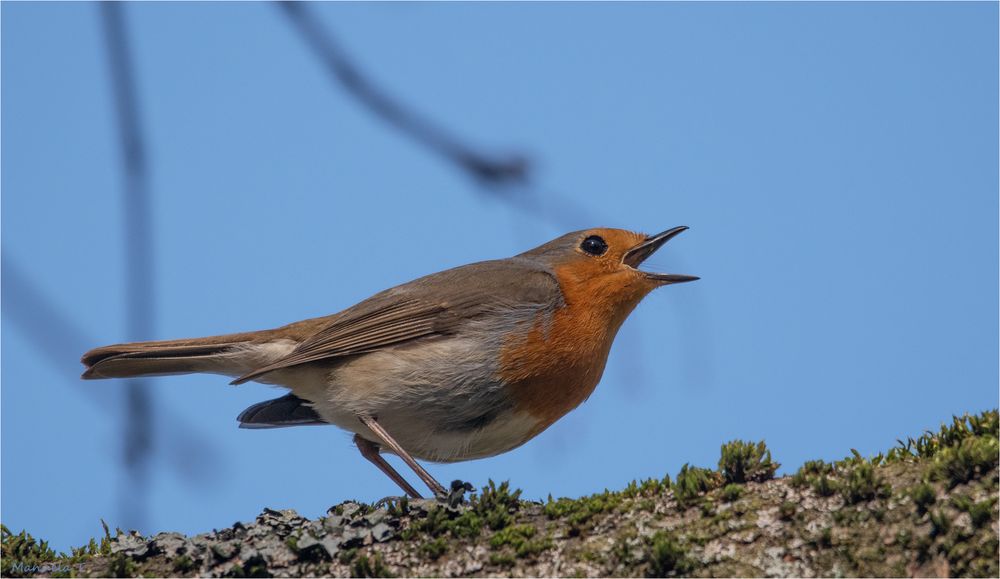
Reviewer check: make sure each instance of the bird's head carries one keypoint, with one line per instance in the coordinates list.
(601, 265)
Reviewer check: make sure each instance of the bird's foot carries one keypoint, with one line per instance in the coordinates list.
(456, 495)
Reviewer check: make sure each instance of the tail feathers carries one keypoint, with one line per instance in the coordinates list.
(289, 410)
(229, 355)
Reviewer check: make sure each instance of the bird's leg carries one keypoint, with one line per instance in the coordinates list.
(369, 450)
(425, 476)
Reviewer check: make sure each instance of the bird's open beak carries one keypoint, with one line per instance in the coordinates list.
(639, 253)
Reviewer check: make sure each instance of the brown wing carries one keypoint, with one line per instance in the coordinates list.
(430, 306)
(394, 324)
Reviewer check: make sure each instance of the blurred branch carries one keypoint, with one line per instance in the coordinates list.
(138, 256)
(485, 169)
(507, 178)
(56, 337)
(138, 215)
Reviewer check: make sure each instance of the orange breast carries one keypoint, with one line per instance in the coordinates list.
(559, 363)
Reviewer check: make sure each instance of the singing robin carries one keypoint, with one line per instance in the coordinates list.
(462, 364)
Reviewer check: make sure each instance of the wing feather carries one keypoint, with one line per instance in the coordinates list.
(392, 325)
(432, 306)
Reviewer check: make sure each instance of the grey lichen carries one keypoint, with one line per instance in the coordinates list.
(926, 507)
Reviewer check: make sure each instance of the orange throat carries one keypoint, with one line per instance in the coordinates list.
(558, 363)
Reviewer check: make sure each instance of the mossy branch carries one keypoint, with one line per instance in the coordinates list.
(925, 507)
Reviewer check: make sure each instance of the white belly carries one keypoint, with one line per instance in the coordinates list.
(441, 401)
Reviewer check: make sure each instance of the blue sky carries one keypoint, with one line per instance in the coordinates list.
(837, 165)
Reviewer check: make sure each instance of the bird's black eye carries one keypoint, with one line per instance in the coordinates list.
(594, 245)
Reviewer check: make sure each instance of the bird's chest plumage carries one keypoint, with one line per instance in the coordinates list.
(555, 366)
(558, 363)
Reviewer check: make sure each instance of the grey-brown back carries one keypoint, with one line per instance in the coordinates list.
(432, 306)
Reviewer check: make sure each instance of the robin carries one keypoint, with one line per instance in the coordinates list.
(462, 364)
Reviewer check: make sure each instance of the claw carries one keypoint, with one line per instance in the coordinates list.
(456, 495)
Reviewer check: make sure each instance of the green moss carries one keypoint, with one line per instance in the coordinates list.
(521, 538)
(23, 551)
(693, 481)
(94, 548)
(731, 492)
(816, 467)
(183, 564)
(973, 456)
(824, 486)
(817, 475)
(844, 516)
(948, 436)
(986, 562)
(707, 507)
(434, 549)
(665, 556)
(121, 566)
(502, 559)
(940, 523)
(494, 507)
(578, 513)
(980, 513)
(496, 504)
(854, 460)
(969, 551)
(964, 451)
(443, 521)
(650, 487)
(742, 462)
(511, 534)
(863, 484)
(365, 566)
(809, 472)
(347, 555)
(923, 496)
(467, 525)
(621, 549)
(21, 554)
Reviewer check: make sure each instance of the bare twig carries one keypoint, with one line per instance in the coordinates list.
(484, 168)
(139, 258)
(60, 340)
(508, 179)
